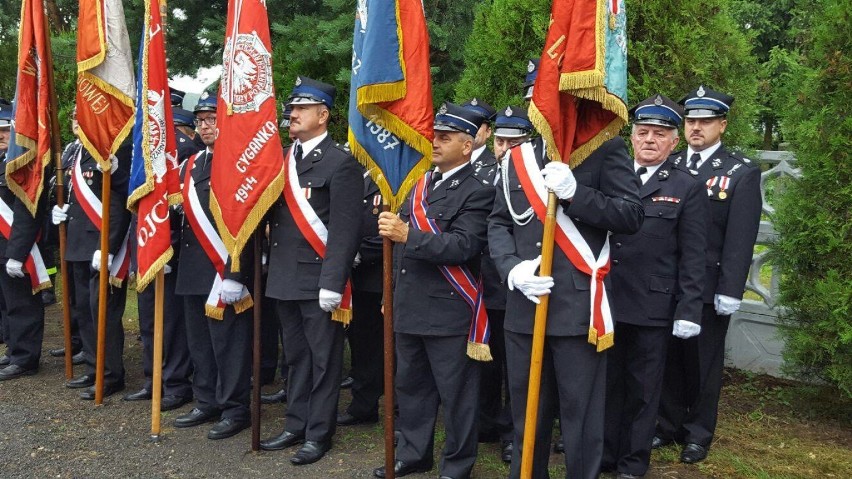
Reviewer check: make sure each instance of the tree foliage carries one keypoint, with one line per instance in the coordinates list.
(814, 216)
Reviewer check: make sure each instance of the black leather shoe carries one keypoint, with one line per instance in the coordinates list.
(274, 398)
(559, 446)
(78, 358)
(195, 417)
(167, 403)
(310, 452)
(693, 453)
(227, 427)
(347, 382)
(403, 469)
(88, 394)
(282, 441)
(5, 360)
(14, 371)
(659, 442)
(140, 395)
(506, 450)
(346, 419)
(84, 381)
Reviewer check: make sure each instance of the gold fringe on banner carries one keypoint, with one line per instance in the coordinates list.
(342, 316)
(143, 281)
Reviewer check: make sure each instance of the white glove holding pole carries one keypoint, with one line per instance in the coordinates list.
(59, 214)
(685, 329)
(96, 261)
(113, 164)
(15, 268)
(528, 283)
(231, 291)
(559, 179)
(329, 300)
(726, 305)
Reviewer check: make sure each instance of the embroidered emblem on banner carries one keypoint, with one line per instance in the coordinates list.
(247, 81)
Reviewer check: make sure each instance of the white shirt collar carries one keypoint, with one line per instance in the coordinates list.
(651, 170)
(308, 146)
(446, 174)
(476, 153)
(706, 153)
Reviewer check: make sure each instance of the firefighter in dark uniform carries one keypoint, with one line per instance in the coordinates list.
(657, 280)
(483, 160)
(187, 144)
(432, 321)
(82, 253)
(220, 348)
(21, 308)
(308, 285)
(366, 333)
(693, 377)
(601, 195)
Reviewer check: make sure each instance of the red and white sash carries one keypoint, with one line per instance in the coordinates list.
(312, 229)
(33, 265)
(92, 206)
(459, 276)
(571, 243)
(212, 244)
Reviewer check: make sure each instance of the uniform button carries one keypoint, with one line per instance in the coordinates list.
(538, 245)
(187, 245)
(416, 248)
(365, 201)
(667, 290)
(70, 217)
(452, 293)
(275, 244)
(718, 263)
(618, 245)
(440, 215)
(615, 261)
(274, 225)
(402, 271)
(659, 213)
(317, 258)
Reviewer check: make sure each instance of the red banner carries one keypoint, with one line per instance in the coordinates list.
(105, 84)
(154, 181)
(30, 151)
(248, 174)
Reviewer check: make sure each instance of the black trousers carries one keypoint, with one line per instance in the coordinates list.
(573, 384)
(634, 382)
(85, 308)
(314, 345)
(23, 320)
(271, 360)
(366, 344)
(221, 358)
(177, 365)
(433, 371)
(693, 382)
(495, 414)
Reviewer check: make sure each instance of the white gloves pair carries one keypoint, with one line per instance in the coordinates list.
(726, 305)
(59, 214)
(15, 268)
(96, 261)
(528, 283)
(113, 164)
(685, 329)
(559, 179)
(329, 300)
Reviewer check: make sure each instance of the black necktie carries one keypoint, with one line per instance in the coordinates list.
(693, 161)
(436, 177)
(641, 170)
(298, 154)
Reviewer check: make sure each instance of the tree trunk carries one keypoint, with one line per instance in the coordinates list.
(59, 24)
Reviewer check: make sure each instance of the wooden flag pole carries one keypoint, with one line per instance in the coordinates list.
(157, 379)
(255, 359)
(103, 285)
(539, 328)
(56, 147)
(387, 311)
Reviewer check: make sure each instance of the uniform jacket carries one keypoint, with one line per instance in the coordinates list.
(336, 186)
(734, 220)
(187, 146)
(367, 276)
(424, 301)
(195, 271)
(607, 199)
(658, 273)
(83, 237)
(487, 169)
(25, 227)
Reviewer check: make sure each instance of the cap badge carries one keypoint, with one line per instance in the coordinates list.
(531, 67)
(658, 101)
(443, 109)
(298, 81)
(700, 91)
(509, 111)
(474, 102)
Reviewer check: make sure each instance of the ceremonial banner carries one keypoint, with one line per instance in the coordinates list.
(580, 93)
(390, 104)
(248, 174)
(29, 146)
(154, 181)
(105, 85)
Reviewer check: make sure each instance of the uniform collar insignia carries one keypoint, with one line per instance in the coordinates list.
(735, 168)
(717, 163)
(677, 160)
(317, 151)
(454, 183)
(663, 174)
(693, 172)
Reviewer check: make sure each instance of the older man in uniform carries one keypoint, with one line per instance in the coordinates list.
(599, 196)
(314, 236)
(693, 378)
(439, 237)
(20, 305)
(657, 277)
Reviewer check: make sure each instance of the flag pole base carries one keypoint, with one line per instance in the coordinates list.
(154, 438)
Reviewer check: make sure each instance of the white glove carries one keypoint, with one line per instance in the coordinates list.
(685, 329)
(14, 268)
(559, 179)
(59, 214)
(113, 164)
(726, 305)
(96, 261)
(524, 278)
(357, 260)
(329, 300)
(231, 291)
(167, 269)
